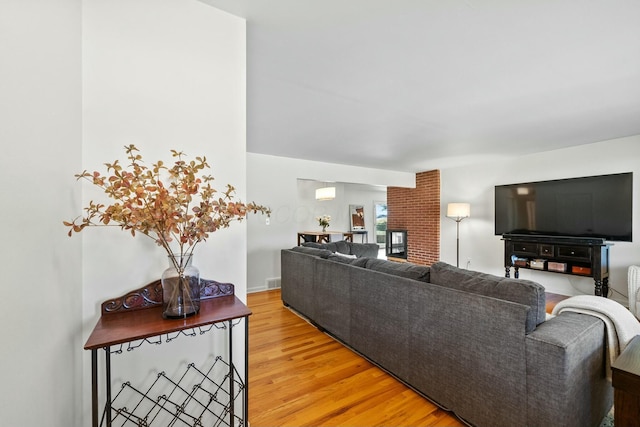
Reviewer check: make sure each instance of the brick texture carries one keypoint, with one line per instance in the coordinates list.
(417, 210)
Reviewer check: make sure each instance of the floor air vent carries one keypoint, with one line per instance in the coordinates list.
(273, 283)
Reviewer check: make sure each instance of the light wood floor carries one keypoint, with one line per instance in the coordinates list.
(299, 376)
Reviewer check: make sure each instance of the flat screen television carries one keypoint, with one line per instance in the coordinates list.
(588, 207)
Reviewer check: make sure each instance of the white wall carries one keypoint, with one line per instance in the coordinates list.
(274, 181)
(475, 184)
(40, 115)
(160, 74)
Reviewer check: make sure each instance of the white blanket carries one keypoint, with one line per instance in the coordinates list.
(621, 325)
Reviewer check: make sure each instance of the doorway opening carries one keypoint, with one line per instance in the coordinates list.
(380, 217)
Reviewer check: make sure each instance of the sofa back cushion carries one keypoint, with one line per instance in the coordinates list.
(520, 291)
(311, 250)
(369, 250)
(402, 269)
(339, 246)
(313, 245)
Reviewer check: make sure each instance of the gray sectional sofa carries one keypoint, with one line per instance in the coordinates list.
(476, 344)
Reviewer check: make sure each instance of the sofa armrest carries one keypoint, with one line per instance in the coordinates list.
(566, 376)
(297, 281)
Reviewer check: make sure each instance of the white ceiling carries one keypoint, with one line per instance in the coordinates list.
(413, 85)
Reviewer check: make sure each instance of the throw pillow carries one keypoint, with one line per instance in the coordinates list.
(341, 258)
(339, 254)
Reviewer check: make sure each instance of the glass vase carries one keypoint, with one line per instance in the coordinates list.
(180, 288)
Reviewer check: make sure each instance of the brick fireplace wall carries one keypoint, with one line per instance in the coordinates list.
(417, 210)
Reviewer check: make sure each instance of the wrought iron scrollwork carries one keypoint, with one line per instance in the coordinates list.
(183, 402)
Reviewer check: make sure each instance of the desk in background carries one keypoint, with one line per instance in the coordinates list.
(322, 236)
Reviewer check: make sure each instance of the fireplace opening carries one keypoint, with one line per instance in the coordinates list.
(396, 246)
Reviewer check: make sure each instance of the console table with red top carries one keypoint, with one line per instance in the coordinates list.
(131, 320)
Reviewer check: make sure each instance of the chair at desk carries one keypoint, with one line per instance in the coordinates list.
(309, 238)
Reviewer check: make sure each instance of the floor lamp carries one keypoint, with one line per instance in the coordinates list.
(458, 212)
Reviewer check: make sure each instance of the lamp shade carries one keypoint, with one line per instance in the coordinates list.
(458, 210)
(326, 193)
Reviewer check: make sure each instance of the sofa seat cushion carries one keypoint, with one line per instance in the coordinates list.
(360, 262)
(519, 291)
(410, 271)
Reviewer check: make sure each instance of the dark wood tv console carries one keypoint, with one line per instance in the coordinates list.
(563, 255)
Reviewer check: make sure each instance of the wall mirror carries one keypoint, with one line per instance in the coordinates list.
(356, 213)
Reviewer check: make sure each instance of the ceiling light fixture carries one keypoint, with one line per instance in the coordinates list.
(326, 193)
